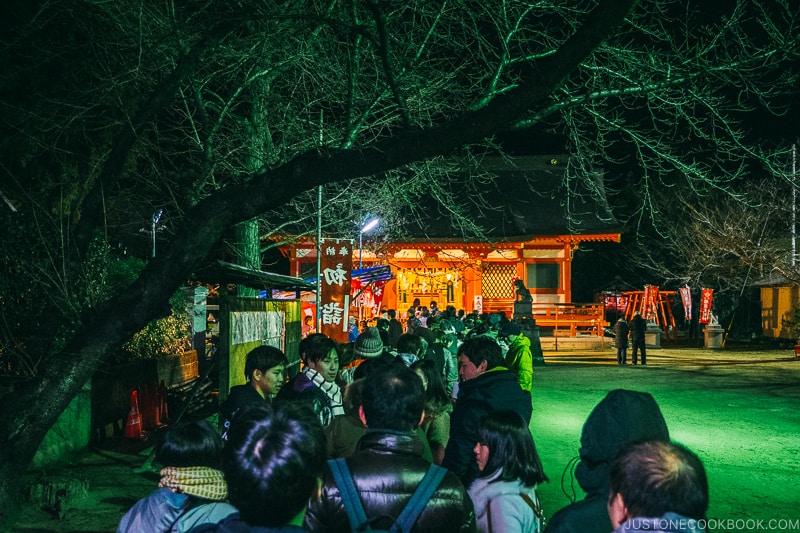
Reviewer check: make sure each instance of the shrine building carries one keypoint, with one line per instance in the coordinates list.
(536, 222)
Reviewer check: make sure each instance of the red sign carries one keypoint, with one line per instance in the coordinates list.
(615, 302)
(706, 296)
(650, 304)
(686, 298)
(369, 297)
(336, 267)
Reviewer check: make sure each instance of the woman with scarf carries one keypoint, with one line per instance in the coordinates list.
(504, 494)
(192, 489)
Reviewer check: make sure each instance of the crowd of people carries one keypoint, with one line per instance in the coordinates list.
(422, 427)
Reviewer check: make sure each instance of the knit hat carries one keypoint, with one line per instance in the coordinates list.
(369, 344)
(509, 329)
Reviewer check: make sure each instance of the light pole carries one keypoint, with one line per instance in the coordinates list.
(156, 216)
(368, 226)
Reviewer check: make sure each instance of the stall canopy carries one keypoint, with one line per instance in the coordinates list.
(221, 272)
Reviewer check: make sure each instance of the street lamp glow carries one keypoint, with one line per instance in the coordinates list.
(368, 226)
(372, 224)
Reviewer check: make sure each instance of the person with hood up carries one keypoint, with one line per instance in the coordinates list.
(519, 358)
(622, 418)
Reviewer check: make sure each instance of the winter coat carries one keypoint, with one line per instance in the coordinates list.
(436, 424)
(669, 523)
(387, 468)
(509, 511)
(234, 524)
(395, 330)
(638, 328)
(300, 388)
(494, 390)
(343, 435)
(519, 359)
(450, 368)
(345, 431)
(238, 397)
(164, 511)
(621, 331)
(621, 418)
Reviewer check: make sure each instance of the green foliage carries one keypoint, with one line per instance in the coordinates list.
(163, 336)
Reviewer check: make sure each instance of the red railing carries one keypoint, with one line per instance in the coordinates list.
(562, 319)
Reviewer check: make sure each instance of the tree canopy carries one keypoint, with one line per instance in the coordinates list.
(221, 112)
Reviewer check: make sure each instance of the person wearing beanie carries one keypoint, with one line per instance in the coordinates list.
(368, 344)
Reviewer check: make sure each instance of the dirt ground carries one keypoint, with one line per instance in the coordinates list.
(737, 410)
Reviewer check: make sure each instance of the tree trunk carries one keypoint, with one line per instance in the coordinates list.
(248, 252)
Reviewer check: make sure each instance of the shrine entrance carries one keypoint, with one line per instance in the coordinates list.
(659, 311)
(440, 284)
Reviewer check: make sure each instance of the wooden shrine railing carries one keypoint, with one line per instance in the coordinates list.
(571, 319)
(564, 320)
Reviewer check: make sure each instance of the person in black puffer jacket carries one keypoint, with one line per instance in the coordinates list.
(485, 386)
(388, 466)
(622, 418)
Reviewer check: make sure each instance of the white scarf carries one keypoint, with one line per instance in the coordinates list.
(331, 390)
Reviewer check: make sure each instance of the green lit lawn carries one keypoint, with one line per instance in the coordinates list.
(741, 418)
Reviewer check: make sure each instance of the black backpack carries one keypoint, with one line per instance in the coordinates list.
(408, 516)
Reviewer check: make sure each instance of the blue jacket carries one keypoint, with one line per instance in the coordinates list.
(234, 524)
(166, 511)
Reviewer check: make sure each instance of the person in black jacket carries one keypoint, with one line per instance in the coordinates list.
(387, 465)
(485, 385)
(622, 418)
(264, 370)
(395, 327)
(638, 327)
(621, 331)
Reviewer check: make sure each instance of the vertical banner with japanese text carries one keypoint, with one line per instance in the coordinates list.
(336, 266)
(686, 298)
(706, 295)
(477, 303)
